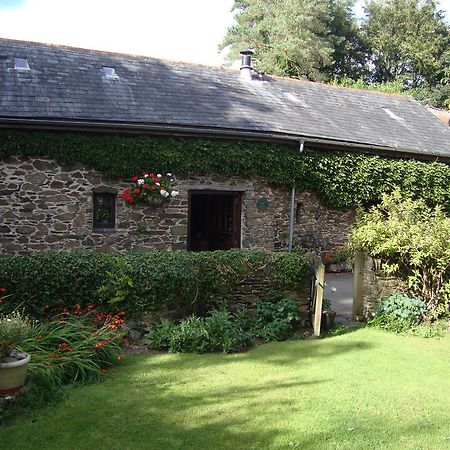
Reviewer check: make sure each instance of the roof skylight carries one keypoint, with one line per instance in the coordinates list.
(110, 73)
(21, 64)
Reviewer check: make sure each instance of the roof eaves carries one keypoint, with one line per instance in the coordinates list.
(201, 131)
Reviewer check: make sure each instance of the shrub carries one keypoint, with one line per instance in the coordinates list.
(217, 332)
(222, 331)
(273, 321)
(183, 281)
(412, 240)
(398, 313)
(159, 336)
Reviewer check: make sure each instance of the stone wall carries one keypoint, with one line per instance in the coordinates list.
(377, 285)
(46, 207)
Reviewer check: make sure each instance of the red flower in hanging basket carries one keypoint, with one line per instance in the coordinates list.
(150, 188)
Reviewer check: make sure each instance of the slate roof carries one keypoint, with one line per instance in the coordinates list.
(68, 84)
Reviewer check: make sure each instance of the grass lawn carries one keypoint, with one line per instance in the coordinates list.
(362, 390)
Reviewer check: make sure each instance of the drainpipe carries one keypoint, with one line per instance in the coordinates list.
(291, 215)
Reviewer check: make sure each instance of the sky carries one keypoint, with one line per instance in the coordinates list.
(181, 30)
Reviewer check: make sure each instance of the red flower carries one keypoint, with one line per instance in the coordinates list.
(134, 179)
(152, 175)
(63, 346)
(137, 191)
(153, 188)
(129, 198)
(2, 290)
(144, 186)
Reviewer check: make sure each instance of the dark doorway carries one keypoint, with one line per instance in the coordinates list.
(214, 220)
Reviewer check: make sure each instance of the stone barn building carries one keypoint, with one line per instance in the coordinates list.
(73, 122)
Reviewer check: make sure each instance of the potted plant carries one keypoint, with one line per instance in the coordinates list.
(15, 328)
(328, 315)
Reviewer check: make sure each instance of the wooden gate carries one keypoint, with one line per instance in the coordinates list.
(318, 283)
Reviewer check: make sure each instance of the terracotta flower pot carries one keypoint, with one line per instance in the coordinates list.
(12, 375)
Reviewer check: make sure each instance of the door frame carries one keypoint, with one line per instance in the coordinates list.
(215, 191)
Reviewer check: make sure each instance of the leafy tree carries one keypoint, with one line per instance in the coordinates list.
(413, 241)
(297, 38)
(406, 37)
(401, 45)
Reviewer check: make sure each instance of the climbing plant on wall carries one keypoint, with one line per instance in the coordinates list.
(341, 179)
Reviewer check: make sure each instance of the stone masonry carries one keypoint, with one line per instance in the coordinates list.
(47, 207)
(378, 285)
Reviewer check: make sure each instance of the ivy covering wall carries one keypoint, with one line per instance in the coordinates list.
(340, 179)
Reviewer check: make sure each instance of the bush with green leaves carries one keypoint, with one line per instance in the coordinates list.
(223, 331)
(214, 333)
(184, 282)
(274, 321)
(398, 313)
(413, 241)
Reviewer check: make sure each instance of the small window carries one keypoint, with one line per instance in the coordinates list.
(21, 64)
(104, 211)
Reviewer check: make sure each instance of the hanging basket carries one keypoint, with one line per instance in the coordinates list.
(155, 201)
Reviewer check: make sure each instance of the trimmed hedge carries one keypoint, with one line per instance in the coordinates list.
(138, 282)
(340, 179)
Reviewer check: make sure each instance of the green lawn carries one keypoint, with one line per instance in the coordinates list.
(362, 390)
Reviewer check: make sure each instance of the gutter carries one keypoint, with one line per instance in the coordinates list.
(199, 131)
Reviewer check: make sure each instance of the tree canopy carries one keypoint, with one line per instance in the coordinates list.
(406, 37)
(401, 43)
(296, 38)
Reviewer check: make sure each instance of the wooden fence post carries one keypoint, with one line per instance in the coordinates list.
(320, 283)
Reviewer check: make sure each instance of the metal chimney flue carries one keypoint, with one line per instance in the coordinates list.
(246, 65)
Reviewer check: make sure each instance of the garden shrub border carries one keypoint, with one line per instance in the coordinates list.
(340, 179)
(185, 282)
